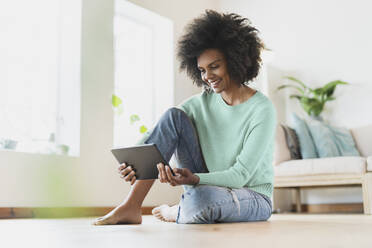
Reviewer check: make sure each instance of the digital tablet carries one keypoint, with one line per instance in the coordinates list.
(143, 158)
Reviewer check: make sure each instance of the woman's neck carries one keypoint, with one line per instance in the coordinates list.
(237, 94)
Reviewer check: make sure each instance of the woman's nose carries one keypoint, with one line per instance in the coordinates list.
(208, 75)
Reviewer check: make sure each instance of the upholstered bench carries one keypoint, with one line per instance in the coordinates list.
(326, 172)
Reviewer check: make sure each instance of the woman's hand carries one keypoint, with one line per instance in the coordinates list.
(182, 176)
(128, 173)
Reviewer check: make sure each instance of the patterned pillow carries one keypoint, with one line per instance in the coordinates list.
(292, 142)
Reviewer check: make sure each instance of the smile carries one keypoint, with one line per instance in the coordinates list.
(215, 84)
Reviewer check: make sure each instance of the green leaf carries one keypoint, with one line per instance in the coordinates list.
(133, 118)
(318, 91)
(143, 129)
(330, 98)
(290, 86)
(296, 96)
(331, 86)
(116, 101)
(297, 81)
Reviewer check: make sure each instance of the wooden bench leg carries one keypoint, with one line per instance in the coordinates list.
(367, 193)
(298, 200)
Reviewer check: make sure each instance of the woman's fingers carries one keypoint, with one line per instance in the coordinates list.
(133, 180)
(121, 167)
(162, 174)
(128, 177)
(171, 178)
(126, 171)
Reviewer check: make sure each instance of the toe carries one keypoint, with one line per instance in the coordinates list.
(98, 222)
(158, 209)
(155, 211)
(95, 223)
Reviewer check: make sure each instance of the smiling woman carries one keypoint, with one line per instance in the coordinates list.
(222, 139)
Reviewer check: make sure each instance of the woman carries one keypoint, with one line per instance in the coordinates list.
(222, 138)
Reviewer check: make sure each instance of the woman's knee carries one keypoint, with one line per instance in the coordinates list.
(173, 111)
(174, 117)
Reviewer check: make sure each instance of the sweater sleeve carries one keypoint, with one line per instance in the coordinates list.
(258, 139)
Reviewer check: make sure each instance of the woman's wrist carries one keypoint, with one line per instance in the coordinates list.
(197, 180)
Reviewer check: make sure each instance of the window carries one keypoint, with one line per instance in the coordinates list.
(40, 76)
(143, 70)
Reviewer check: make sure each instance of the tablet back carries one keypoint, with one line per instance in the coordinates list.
(142, 158)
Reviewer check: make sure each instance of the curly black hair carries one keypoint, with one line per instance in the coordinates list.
(232, 35)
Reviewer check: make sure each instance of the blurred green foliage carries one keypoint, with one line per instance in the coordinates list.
(117, 103)
(312, 100)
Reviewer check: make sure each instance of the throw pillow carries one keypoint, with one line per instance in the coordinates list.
(307, 146)
(332, 141)
(292, 142)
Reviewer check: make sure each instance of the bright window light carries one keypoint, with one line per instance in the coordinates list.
(40, 76)
(143, 70)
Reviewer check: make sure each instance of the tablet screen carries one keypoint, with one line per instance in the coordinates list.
(143, 158)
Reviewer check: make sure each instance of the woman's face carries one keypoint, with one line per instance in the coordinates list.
(213, 68)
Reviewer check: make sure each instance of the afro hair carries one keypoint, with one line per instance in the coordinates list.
(232, 35)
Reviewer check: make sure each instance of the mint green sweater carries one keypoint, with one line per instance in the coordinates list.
(237, 142)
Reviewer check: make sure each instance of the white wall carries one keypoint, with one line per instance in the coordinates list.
(180, 12)
(28, 180)
(318, 41)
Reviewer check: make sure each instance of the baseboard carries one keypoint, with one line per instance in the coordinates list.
(70, 212)
(54, 212)
(331, 208)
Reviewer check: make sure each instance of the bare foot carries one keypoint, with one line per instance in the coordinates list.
(122, 214)
(166, 213)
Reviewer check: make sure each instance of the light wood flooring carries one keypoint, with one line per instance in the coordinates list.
(282, 230)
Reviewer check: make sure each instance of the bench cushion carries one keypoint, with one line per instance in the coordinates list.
(333, 165)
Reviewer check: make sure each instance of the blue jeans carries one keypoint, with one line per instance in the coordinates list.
(176, 134)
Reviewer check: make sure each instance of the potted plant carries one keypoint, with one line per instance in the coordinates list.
(312, 100)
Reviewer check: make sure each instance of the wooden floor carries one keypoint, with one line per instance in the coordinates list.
(282, 230)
